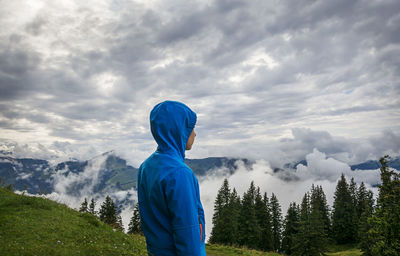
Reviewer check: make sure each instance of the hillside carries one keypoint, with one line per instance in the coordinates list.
(37, 226)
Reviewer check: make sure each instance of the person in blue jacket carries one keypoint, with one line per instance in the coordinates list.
(171, 213)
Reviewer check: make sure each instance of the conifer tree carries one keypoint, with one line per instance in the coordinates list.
(302, 242)
(318, 222)
(383, 238)
(291, 228)
(318, 202)
(266, 226)
(108, 213)
(119, 224)
(222, 221)
(354, 201)
(365, 211)
(276, 216)
(84, 206)
(343, 214)
(249, 230)
(134, 224)
(216, 231)
(365, 200)
(234, 209)
(312, 236)
(264, 221)
(92, 207)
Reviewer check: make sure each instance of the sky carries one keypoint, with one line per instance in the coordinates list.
(269, 80)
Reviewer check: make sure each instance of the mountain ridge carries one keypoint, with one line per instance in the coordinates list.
(38, 176)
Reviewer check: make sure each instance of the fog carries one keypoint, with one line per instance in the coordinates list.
(289, 186)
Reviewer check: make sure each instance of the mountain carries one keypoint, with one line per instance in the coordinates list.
(375, 164)
(110, 173)
(38, 176)
(367, 165)
(202, 167)
(33, 174)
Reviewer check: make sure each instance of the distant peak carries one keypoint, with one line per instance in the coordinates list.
(109, 153)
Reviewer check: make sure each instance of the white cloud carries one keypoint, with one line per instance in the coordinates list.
(321, 171)
(253, 72)
(82, 183)
(321, 167)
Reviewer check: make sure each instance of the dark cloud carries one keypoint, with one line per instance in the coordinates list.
(17, 70)
(254, 71)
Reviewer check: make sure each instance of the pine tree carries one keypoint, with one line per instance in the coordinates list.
(365, 200)
(318, 202)
(354, 200)
(84, 206)
(119, 224)
(249, 230)
(216, 232)
(92, 207)
(343, 214)
(383, 237)
(291, 228)
(234, 209)
(222, 221)
(108, 213)
(263, 215)
(319, 227)
(276, 215)
(134, 226)
(265, 223)
(301, 241)
(365, 211)
(312, 236)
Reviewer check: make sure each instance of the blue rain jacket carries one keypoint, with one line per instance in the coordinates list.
(172, 216)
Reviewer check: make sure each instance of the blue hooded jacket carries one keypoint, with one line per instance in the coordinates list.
(172, 216)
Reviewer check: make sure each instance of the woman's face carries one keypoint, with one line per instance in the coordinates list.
(190, 140)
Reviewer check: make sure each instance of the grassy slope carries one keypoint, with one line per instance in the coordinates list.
(221, 250)
(218, 250)
(343, 250)
(37, 226)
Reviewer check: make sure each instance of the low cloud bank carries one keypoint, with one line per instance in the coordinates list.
(320, 170)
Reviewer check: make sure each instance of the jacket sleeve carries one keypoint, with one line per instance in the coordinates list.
(182, 203)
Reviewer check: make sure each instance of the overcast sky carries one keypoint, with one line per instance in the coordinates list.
(269, 80)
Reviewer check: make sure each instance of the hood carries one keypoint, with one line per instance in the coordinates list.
(171, 124)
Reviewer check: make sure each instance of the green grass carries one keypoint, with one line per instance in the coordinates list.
(344, 250)
(37, 226)
(217, 250)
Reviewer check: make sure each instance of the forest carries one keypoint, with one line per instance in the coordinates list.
(255, 221)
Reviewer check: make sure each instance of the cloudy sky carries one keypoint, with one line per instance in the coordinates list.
(269, 80)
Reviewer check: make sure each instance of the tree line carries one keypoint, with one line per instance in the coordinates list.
(108, 214)
(255, 221)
